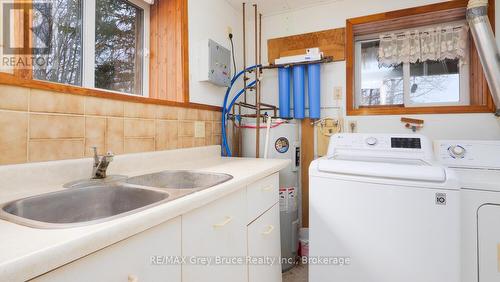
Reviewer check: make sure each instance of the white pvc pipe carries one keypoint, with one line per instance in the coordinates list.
(489, 54)
(268, 132)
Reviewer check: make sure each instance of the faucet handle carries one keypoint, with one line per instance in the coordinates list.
(110, 156)
(96, 157)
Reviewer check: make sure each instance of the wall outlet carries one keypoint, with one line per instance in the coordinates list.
(199, 129)
(337, 93)
(229, 30)
(352, 126)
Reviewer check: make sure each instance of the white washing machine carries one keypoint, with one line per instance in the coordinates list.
(381, 210)
(477, 164)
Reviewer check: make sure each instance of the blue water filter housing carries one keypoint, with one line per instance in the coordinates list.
(299, 91)
(284, 92)
(314, 90)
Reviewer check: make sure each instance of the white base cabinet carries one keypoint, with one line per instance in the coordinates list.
(264, 242)
(216, 241)
(130, 260)
(213, 232)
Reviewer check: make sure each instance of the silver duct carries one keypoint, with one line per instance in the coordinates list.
(477, 16)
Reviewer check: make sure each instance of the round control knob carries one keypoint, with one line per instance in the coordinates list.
(457, 151)
(372, 141)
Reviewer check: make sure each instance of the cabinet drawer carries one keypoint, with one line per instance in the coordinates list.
(262, 195)
(264, 241)
(216, 230)
(128, 260)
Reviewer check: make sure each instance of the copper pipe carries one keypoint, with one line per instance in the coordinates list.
(253, 107)
(253, 116)
(235, 136)
(257, 92)
(260, 42)
(240, 143)
(245, 78)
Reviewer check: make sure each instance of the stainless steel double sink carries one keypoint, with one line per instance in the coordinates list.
(91, 203)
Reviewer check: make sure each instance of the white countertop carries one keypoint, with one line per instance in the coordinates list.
(28, 252)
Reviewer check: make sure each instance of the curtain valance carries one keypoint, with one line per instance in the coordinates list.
(436, 44)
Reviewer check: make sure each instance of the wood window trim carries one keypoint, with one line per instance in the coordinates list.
(407, 18)
(23, 77)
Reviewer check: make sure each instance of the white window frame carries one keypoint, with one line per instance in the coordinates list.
(88, 48)
(463, 73)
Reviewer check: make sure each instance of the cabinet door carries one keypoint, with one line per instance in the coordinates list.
(264, 242)
(214, 231)
(262, 195)
(129, 260)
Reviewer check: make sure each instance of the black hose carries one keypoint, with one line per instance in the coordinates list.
(232, 51)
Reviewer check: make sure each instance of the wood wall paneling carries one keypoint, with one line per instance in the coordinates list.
(169, 62)
(306, 157)
(185, 50)
(331, 42)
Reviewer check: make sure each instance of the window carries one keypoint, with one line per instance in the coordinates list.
(378, 85)
(424, 83)
(118, 33)
(438, 83)
(58, 28)
(109, 53)
(418, 60)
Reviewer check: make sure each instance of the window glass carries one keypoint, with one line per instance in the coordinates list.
(435, 82)
(57, 26)
(379, 85)
(118, 46)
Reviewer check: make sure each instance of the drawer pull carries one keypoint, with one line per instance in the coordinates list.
(224, 223)
(269, 230)
(267, 188)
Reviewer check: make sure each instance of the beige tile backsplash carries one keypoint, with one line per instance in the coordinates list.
(46, 126)
(103, 107)
(14, 98)
(38, 125)
(14, 137)
(51, 102)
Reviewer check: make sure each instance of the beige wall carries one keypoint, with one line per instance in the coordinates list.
(38, 125)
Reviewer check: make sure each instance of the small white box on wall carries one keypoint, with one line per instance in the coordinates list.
(215, 63)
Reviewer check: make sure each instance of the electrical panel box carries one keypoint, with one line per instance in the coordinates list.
(215, 64)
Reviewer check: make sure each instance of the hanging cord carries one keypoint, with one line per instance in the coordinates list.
(232, 51)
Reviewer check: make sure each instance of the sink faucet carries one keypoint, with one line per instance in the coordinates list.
(101, 164)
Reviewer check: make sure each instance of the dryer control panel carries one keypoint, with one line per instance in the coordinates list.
(469, 153)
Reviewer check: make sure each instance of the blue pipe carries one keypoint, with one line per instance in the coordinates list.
(284, 91)
(238, 96)
(228, 150)
(224, 110)
(314, 90)
(298, 91)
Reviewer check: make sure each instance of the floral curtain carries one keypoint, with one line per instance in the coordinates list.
(436, 44)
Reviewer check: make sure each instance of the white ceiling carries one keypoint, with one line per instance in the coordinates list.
(267, 7)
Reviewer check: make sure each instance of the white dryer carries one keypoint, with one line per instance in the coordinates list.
(477, 164)
(381, 210)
